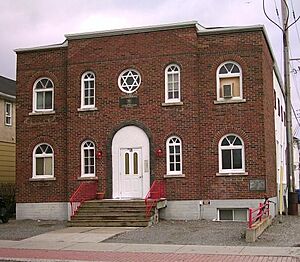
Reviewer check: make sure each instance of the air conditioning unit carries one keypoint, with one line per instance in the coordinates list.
(227, 90)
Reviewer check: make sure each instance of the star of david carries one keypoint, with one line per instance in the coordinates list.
(130, 81)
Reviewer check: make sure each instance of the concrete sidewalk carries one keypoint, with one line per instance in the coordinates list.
(89, 239)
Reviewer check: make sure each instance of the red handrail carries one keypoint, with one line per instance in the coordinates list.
(85, 191)
(156, 192)
(256, 214)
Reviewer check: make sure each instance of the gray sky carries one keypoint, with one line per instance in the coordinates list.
(30, 23)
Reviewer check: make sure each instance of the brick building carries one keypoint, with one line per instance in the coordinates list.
(189, 105)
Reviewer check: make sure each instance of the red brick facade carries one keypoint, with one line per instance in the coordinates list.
(199, 122)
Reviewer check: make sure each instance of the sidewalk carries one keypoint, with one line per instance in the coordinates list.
(83, 243)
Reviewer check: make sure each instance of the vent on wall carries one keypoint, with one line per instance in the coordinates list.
(227, 89)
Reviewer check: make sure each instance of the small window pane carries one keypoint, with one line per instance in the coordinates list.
(126, 163)
(176, 94)
(135, 163)
(48, 166)
(39, 166)
(225, 215)
(223, 70)
(177, 158)
(226, 159)
(231, 138)
(171, 158)
(238, 142)
(39, 98)
(177, 149)
(240, 214)
(48, 100)
(92, 169)
(177, 166)
(171, 149)
(235, 69)
(39, 150)
(172, 167)
(237, 158)
(225, 142)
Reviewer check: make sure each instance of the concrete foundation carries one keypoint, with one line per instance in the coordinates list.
(208, 209)
(45, 211)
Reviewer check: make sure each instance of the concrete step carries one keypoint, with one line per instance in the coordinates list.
(113, 213)
(108, 223)
(108, 218)
(112, 209)
(114, 203)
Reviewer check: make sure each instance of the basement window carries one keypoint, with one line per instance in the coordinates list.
(237, 214)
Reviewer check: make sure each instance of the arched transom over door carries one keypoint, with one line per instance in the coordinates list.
(130, 163)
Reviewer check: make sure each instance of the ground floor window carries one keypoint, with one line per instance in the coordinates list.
(88, 159)
(43, 162)
(237, 214)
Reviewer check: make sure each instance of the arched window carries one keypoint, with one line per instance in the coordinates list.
(43, 161)
(174, 156)
(229, 81)
(88, 90)
(231, 154)
(88, 159)
(172, 84)
(43, 90)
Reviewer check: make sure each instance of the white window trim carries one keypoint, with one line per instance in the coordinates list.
(83, 106)
(34, 99)
(83, 175)
(119, 81)
(9, 114)
(229, 75)
(172, 100)
(173, 173)
(34, 175)
(231, 171)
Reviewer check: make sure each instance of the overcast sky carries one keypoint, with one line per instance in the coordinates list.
(30, 23)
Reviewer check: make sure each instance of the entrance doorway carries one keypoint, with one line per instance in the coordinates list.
(130, 163)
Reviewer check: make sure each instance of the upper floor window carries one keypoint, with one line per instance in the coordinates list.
(43, 161)
(8, 114)
(172, 83)
(87, 159)
(129, 81)
(231, 154)
(174, 156)
(88, 90)
(43, 95)
(229, 81)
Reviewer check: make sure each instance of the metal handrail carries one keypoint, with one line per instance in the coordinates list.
(156, 192)
(85, 191)
(256, 214)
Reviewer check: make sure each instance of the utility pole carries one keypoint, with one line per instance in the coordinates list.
(289, 135)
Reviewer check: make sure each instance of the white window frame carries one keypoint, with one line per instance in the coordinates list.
(43, 155)
(233, 214)
(8, 113)
(167, 74)
(83, 148)
(175, 172)
(138, 83)
(83, 80)
(36, 91)
(229, 75)
(231, 147)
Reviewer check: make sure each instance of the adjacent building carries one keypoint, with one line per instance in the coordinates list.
(196, 107)
(7, 130)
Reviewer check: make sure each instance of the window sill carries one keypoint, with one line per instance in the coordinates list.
(87, 178)
(34, 179)
(42, 113)
(232, 174)
(229, 101)
(174, 176)
(172, 104)
(87, 109)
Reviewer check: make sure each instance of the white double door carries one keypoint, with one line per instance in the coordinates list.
(131, 172)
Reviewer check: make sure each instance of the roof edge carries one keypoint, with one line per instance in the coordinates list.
(134, 30)
(38, 48)
(10, 97)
